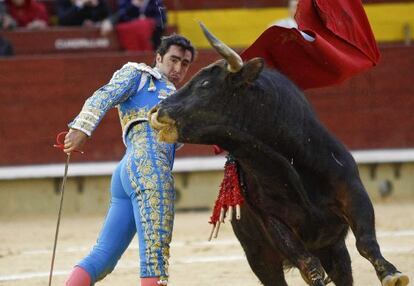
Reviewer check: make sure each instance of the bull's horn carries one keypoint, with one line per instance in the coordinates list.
(235, 62)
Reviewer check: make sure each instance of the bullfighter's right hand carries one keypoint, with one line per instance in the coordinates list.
(74, 140)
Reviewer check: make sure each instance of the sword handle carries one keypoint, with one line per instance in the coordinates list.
(59, 144)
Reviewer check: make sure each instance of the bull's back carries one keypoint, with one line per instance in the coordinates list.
(321, 160)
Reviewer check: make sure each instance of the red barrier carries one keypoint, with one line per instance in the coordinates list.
(60, 40)
(39, 95)
(216, 4)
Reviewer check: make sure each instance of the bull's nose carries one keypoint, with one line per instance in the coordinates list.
(159, 119)
(163, 115)
(153, 110)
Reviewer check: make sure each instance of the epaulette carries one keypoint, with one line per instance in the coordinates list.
(144, 68)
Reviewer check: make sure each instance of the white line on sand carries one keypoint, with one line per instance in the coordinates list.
(222, 242)
(395, 233)
(30, 275)
(133, 246)
(185, 260)
(191, 259)
(125, 265)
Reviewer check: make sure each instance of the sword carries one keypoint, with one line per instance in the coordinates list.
(62, 193)
(59, 145)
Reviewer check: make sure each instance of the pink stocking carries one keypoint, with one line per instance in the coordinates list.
(79, 277)
(150, 281)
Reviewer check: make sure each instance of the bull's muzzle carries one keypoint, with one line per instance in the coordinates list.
(166, 127)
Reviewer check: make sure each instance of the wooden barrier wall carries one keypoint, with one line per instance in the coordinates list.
(373, 110)
(60, 40)
(218, 4)
(40, 95)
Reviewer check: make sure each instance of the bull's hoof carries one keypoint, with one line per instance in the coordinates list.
(316, 277)
(327, 280)
(396, 279)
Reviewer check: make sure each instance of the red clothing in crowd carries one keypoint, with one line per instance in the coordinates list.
(28, 12)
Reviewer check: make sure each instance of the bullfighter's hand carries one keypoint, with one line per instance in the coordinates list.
(74, 140)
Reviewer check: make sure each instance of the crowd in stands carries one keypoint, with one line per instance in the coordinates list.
(31, 14)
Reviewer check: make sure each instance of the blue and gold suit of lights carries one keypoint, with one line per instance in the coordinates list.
(142, 186)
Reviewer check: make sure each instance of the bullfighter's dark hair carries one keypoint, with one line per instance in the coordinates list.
(168, 41)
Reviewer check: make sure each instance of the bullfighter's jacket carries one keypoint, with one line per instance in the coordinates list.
(134, 90)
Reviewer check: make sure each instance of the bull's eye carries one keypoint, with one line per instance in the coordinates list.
(205, 83)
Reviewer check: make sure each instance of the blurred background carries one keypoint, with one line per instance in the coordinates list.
(61, 51)
(56, 53)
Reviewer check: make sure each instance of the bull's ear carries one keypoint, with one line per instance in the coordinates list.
(252, 69)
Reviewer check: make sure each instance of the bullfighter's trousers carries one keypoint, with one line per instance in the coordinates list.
(142, 197)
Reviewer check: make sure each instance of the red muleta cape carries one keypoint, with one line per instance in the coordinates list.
(344, 44)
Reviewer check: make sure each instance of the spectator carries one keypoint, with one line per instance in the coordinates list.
(6, 21)
(6, 48)
(28, 13)
(81, 12)
(137, 9)
(288, 22)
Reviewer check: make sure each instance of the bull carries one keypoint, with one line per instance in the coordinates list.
(302, 186)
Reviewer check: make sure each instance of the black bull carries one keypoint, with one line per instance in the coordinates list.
(303, 189)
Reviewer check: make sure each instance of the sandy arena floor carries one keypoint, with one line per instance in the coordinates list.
(26, 247)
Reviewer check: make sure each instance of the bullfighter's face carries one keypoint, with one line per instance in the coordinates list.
(174, 63)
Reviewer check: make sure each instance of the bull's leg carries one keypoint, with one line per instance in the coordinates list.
(359, 212)
(262, 257)
(337, 263)
(291, 247)
(261, 260)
